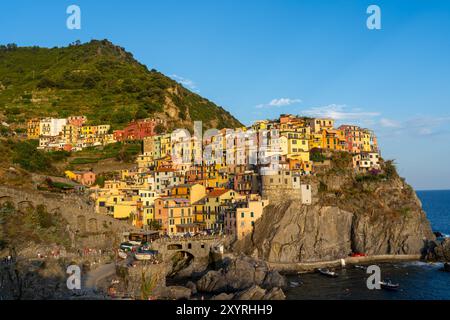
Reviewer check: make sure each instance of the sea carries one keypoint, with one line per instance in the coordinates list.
(417, 280)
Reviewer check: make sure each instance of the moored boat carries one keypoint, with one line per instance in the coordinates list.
(388, 285)
(327, 273)
(122, 255)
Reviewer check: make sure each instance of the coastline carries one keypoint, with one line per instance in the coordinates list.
(305, 267)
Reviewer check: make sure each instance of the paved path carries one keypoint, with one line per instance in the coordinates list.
(93, 277)
(304, 267)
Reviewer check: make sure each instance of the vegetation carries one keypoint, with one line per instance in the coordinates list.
(119, 151)
(154, 225)
(25, 154)
(37, 225)
(97, 79)
(389, 172)
(317, 156)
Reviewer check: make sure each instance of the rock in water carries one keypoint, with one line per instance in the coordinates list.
(447, 267)
(223, 296)
(238, 274)
(257, 293)
(442, 250)
(176, 293)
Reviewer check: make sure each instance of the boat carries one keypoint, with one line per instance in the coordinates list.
(360, 267)
(327, 272)
(388, 285)
(294, 284)
(122, 255)
(143, 256)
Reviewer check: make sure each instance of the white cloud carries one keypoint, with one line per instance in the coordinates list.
(188, 83)
(420, 126)
(339, 112)
(389, 123)
(281, 102)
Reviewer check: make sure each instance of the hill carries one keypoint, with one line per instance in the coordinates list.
(99, 80)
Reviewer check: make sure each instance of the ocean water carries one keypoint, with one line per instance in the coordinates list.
(437, 206)
(418, 280)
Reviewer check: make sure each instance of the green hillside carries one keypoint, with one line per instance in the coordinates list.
(99, 80)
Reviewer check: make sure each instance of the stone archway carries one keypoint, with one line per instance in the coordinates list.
(25, 206)
(6, 200)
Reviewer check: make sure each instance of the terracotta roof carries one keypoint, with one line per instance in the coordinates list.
(165, 170)
(217, 193)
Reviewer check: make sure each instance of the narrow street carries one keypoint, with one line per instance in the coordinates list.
(93, 277)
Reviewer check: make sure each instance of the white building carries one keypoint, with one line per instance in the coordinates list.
(51, 127)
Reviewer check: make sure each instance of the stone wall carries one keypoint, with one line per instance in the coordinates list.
(88, 228)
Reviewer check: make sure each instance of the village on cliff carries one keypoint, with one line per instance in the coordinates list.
(218, 182)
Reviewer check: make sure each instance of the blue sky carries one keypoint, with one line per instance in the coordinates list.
(260, 58)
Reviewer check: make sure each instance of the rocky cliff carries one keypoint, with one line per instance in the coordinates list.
(375, 214)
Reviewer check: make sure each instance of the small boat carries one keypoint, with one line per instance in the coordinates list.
(327, 272)
(145, 254)
(388, 285)
(122, 255)
(140, 256)
(294, 284)
(360, 267)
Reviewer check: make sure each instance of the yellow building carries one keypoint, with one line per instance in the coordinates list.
(124, 209)
(88, 131)
(33, 129)
(213, 201)
(70, 133)
(333, 139)
(317, 125)
(102, 129)
(294, 144)
(166, 145)
(316, 141)
(366, 140)
(245, 217)
(181, 217)
(70, 175)
(191, 192)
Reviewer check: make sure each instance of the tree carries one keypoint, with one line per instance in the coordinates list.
(141, 113)
(159, 129)
(154, 225)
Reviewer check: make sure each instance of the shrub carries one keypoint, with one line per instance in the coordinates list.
(317, 156)
(29, 158)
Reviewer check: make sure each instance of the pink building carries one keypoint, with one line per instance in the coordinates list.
(77, 120)
(86, 178)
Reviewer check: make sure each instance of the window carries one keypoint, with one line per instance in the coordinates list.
(242, 215)
(252, 214)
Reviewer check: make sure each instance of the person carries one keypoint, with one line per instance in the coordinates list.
(9, 259)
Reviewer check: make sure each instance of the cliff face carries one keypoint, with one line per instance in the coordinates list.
(348, 214)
